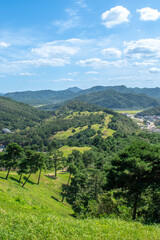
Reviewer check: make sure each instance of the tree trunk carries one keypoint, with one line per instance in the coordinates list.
(20, 178)
(135, 207)
(26, 179)
(8, 173)
(67, 185)
(39, 176)
(55, 165)
(69, 179)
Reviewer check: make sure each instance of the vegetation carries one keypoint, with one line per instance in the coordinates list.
(150, 112)
(36, 212)
(113, 99)
(45, 97)
(15, 115)
(83, 161)
(74, 124)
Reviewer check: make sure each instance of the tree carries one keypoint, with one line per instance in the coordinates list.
(12, 156)
(30, 164)
(41, 164)
(132, 172)
(55, 161)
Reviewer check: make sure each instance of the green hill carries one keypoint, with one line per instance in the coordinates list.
(36, 212)
(113, 99)
(42, 97)
(74, 124)
(14, 115)
(150, 112)
(45, 97)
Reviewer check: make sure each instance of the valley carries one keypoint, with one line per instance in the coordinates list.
(62, 180)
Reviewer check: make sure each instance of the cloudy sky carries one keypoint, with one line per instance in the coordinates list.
(56, 44)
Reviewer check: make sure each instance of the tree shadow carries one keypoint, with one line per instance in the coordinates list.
(62, 172)
(55, 198)
(51, 176)
(3, 178)
(29, 181)
(14, 179)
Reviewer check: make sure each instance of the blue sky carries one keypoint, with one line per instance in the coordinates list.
(56, 44)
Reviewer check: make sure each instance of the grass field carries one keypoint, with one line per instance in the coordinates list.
(129, 111)
(106, 132)
(36, 213)
(68, 150)
(65, 134)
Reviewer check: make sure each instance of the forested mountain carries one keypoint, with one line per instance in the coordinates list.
(113, 99)
(41, 97)
(46, 97)
(14, 115)
(150, 112)
(152, 92)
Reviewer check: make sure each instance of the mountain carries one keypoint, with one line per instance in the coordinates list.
(112, 99)
(152, 92)
(74, 89)
(42, 97)
(14, 115)
(45, 97)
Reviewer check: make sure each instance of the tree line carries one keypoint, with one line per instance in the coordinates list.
(29, 161)
(125, 184)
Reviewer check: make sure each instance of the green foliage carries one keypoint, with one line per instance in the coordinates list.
(149, 112)
(113, 99)
(15, 115)
(11, 157)
(134, 170)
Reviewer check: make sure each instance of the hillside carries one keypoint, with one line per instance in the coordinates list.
(113, 99)
(150, 112)
(14, 115)
(75, 124)
(42, 97)
(35, 212)
(45, 97)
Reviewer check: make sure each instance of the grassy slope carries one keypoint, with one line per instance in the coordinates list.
(106, 132)
(68, 150)
(34, 213)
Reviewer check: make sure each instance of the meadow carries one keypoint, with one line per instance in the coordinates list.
(36, 212)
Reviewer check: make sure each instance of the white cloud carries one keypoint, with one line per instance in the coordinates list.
(54, 62)
(91, 72)
(112, 53)
(143, 48)
(154, 70)
(4, 44)
(115, 16)
(145, 63)
(63, 80)
(148, 14)
(99, 63)
(81, 3)
(26, 74)
(73, 73)
(67, 24)
(50, 49)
